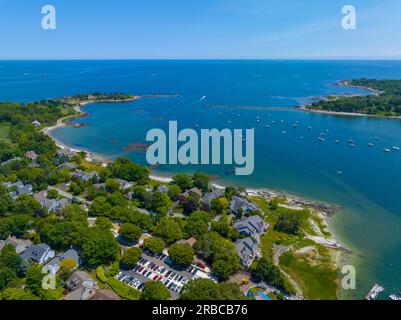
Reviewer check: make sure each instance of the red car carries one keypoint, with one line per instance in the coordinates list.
(155, 278)
(201, 265)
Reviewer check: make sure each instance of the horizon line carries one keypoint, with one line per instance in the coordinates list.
(379, 58)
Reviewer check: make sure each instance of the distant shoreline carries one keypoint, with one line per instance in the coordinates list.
(346, 83)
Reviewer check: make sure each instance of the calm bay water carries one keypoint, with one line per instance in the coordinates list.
(368, 190)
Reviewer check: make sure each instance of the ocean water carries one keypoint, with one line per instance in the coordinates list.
(368, 190)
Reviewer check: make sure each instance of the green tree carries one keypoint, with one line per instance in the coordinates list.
(181, 254)
(112, 185)
(131, 256)
(201, 181)
(75, 189)
(168, 229)
(33, 280)
(219, 205)
(103, 223)
(206, 289)
(183, 181)
(125, 169)
(154, 244)
(52, 194)
(10, 259)
(100, 207)
(154, 290)
(288, 223)
(74, 212)
(174, 191)
(221, 253)
(7, 277)
(160, 202)
(99, 247)
(271, 274)
(130, 232)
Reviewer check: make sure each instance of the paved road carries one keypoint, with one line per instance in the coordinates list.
(68, 195)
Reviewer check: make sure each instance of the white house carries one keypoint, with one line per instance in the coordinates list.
(39, 253)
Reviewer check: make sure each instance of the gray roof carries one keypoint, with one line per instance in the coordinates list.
(246, 248)
(69, 254)
(208, 197)
(253, 225)
(35, 252)
(238, 203)
(84, 176)
(162, 189)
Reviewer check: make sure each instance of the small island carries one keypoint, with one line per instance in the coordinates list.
(385, 100)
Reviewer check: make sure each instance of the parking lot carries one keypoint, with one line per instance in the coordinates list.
(160, 268)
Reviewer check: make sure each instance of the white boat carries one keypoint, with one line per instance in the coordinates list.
(395, 297)
(352, 145)
(284, 132)
(337, 141)
(351, 141)
(371, 145)
(387, 150)
(267, 126)
(294, 125)
(396, 148)
(229, 121)
(339, 172)
(309, 128)
(320, 139)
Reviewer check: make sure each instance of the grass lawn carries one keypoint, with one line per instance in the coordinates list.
(90, 166)
(317, 278)
(309, 264)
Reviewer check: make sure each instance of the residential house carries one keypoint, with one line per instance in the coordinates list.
(193, 190)
(253, 226)
(54, 265)
(162, 188)
(190, 242)
(248, 250)
(36, 123)
(52, 205)
(85, 176)
(39, 253)
(67, 165)
(124, 184)
(238, 204)
(31, 155)
(18, 188)
(65, 153)
(81, 286)
(216, 194)
(20, 245)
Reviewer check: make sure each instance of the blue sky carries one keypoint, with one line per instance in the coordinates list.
(199, 29)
